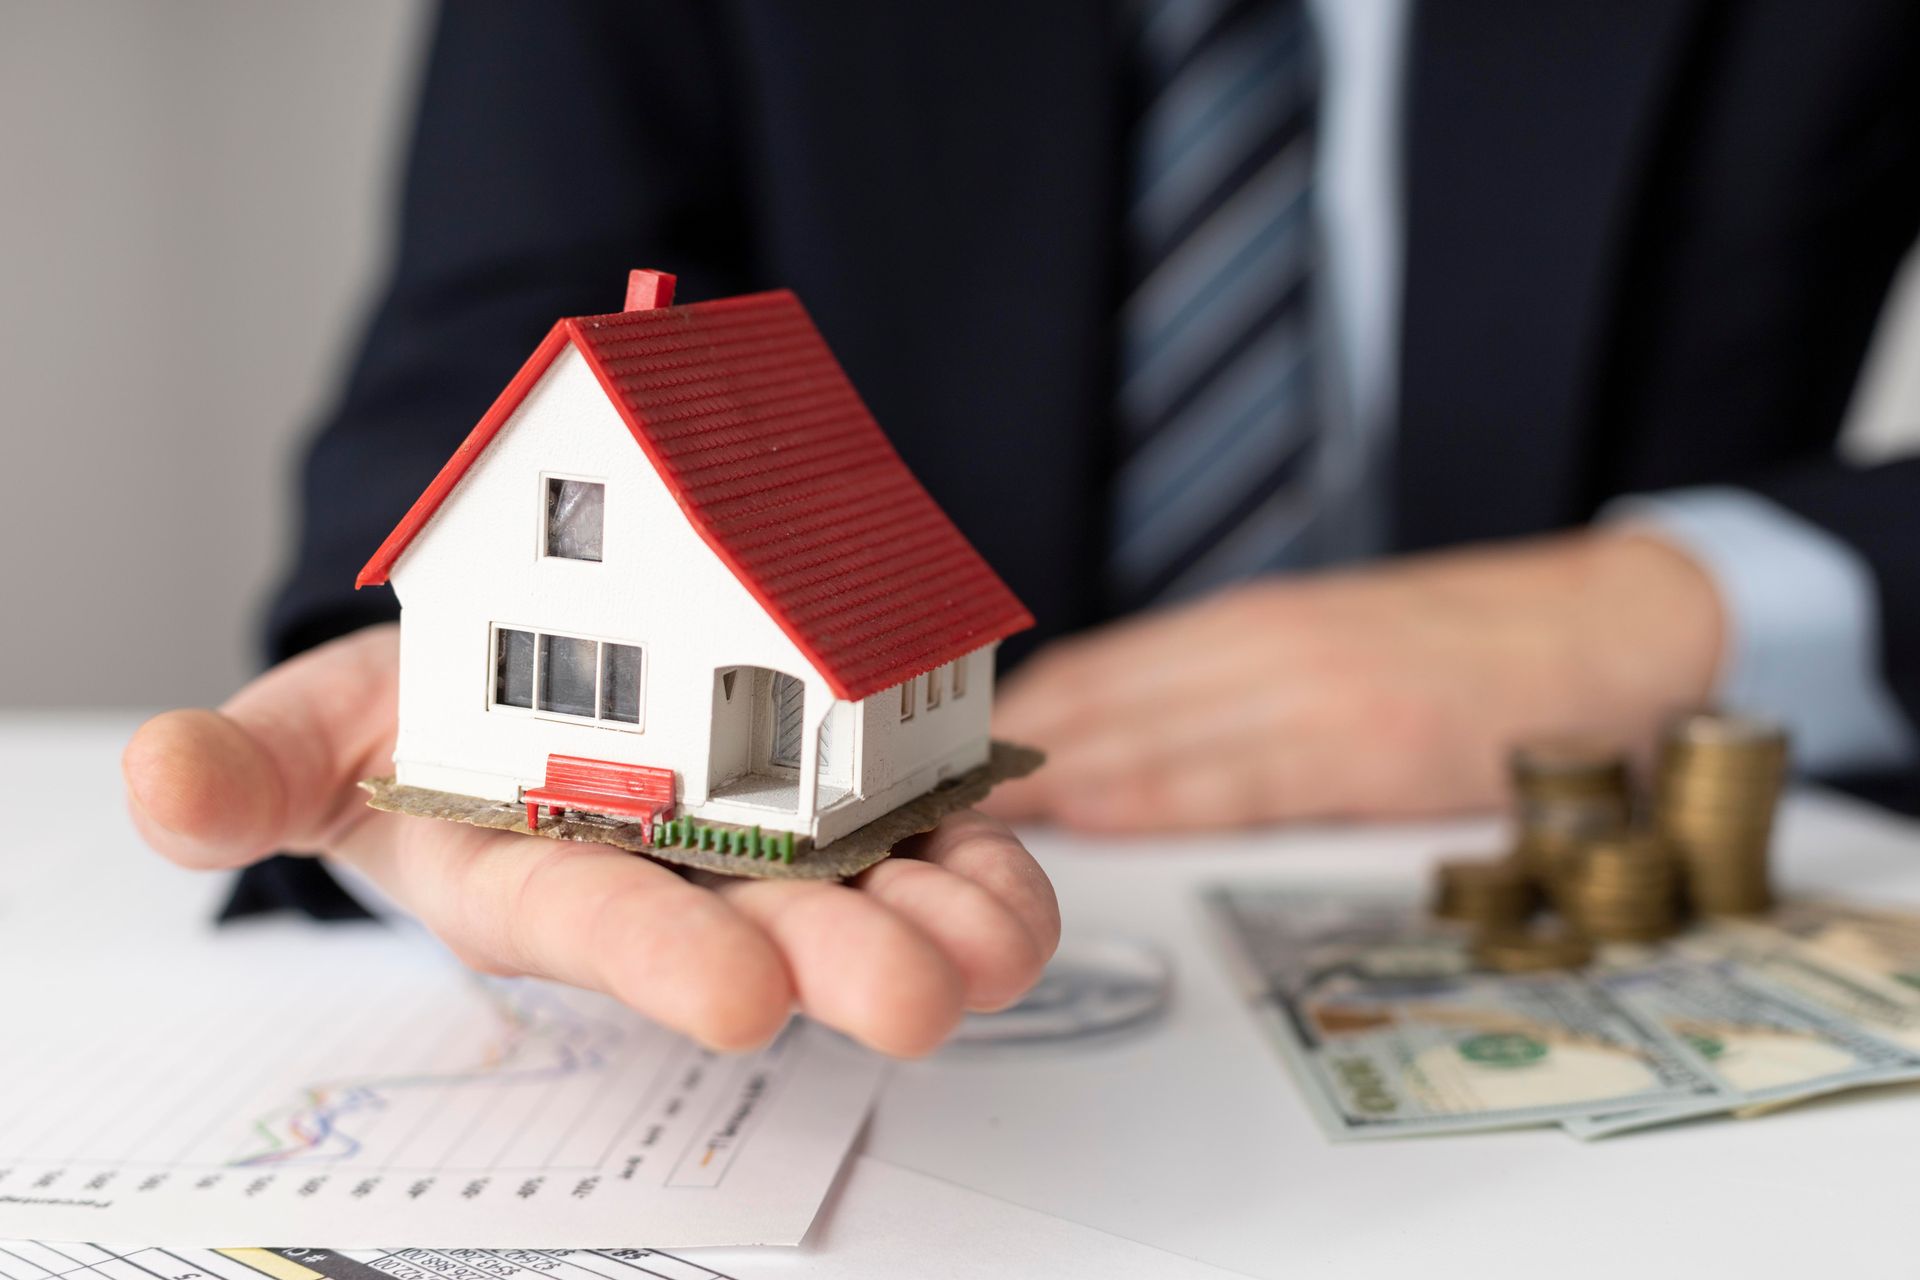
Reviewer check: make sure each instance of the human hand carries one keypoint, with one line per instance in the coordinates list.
(1389, 691)
(962, 918)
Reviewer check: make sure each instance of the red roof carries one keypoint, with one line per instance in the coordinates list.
(767, 447)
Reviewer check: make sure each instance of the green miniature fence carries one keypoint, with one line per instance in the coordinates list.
(745, 842)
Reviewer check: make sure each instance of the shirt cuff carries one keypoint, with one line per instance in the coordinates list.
(1803, 624)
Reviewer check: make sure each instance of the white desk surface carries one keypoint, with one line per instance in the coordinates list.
(1187, 1134)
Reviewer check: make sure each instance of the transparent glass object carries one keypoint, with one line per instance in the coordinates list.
(567, 669)
(576, 513)
(1090, 988)
(513, 669)
(620, 684)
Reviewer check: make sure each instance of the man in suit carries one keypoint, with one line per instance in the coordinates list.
(1349, 387)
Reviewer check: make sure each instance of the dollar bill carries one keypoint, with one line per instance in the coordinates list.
(1800, 961)
(1393, 1033)
(1881, 946)
(1764, 1048)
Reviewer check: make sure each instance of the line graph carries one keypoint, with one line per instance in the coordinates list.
(314, 1079)
(542, 1039)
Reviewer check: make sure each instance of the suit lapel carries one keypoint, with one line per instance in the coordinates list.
(1525, 128)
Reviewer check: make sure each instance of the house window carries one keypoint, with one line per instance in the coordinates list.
(960, 678)
(620, 683)
(576, 514)
(513, 669)
(933, 689)
(906, 700)
(575, 677)
(567, 675)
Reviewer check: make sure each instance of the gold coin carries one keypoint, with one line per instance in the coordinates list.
(1483, 891)
(1724, 730)
(1532, 950)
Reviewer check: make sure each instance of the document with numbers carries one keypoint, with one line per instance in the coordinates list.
(883, 1223)
(287, 1082)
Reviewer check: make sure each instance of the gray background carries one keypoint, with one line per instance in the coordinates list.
(193, 199)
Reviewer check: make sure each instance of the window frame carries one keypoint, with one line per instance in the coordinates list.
(931, 694)
(959, 666)
(598, 720)
(542, 532)
(907, 700)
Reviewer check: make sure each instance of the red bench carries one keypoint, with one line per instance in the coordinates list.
(638, 791)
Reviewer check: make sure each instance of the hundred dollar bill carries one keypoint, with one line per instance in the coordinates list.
(1883, 946)
(1803, 963)
(1393, 1033)
(1764, 1048)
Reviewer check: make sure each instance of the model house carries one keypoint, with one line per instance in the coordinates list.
(680, 542)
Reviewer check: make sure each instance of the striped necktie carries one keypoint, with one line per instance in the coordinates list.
(1216, 410)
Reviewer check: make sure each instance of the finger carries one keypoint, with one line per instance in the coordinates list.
(1152, 660)
(1090, 723)
(585, 914)
(981, 849)
(1231, 718)
(276, 766)
(995, 955)
(856, 964)
(1122, 759)
(1048, 697)
(201, 791)
(1210, 792)
(1045, 705)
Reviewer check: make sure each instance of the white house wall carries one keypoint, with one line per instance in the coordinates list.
(477, 563)
(901, 759)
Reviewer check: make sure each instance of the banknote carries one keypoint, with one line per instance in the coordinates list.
(1393, 1033)
(1803, 961)
(1882, 946)
(1764, 1047)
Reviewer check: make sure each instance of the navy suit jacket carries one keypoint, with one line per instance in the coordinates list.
(1647, 241)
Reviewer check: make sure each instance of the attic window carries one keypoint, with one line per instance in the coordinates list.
(576, 512)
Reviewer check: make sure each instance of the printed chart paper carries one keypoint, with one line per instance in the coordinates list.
(884, 1223)
(283, 1083)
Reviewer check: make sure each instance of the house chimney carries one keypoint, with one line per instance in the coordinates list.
(647, 290)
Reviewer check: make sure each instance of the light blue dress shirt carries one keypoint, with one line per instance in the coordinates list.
(1801, 605)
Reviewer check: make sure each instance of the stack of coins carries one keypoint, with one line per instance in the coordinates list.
(1532, 950)
(1567, 791)
(1718, 783)
(1624, 888)
(1486, 893)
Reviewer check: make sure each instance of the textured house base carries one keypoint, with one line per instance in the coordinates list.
(847, 856)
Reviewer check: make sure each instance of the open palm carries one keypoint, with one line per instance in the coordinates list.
(962, 918)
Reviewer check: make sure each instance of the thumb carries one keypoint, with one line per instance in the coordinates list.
(276, 766)
(202, 791)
